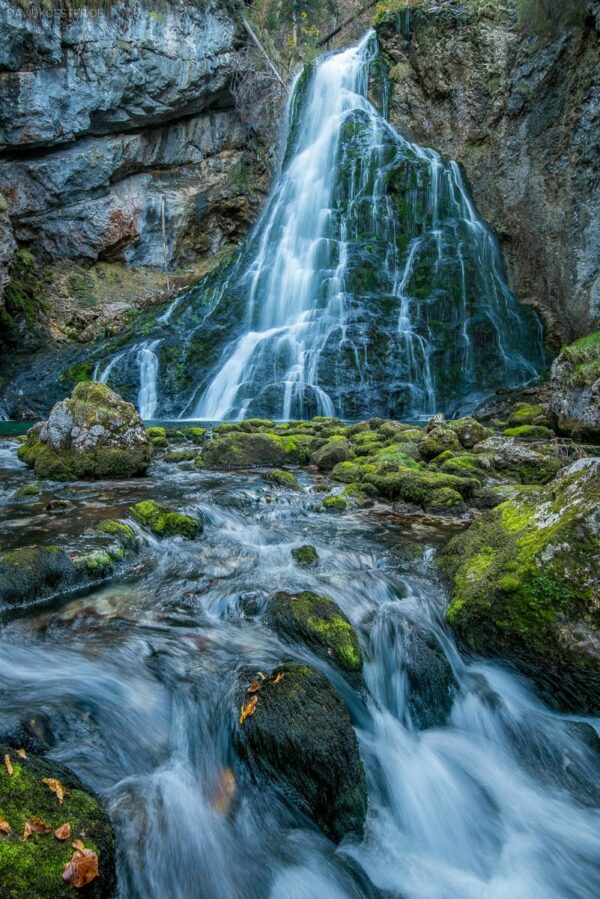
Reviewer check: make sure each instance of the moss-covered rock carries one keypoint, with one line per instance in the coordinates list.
(31, 489)
(279, 477)
(34, 572)
(33, 868)
(529, 432)
(469, 431)
(527, 414)
(165, 522)
(519, 461)
(94, 434)
(524, 584)
(253, 450)
(121, 531)
(575, 386)
(437, 441)
(317, 621)
(336, 503)
(180, 455)
(347, 472)
(305, 556)
(418, 487)
(331, 454)
(300, 741)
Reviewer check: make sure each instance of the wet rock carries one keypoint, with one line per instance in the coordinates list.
(58, 506)
(469, 431)
(319, 623)
(33, 489)
(94, 434)
(336, 503)
(34, 868)
(437, 441)
(278, 477)
(524, 585)
(253, 450)
(575, 386)
(300, 741)
(305, 556)
(521, 462)
(421, 487)
(430, 679)
(527, 414)
(34, 572)
(164, 522)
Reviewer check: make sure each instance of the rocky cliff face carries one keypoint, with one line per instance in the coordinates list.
(121, 146)
(521, 116)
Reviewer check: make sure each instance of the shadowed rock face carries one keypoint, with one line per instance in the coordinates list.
(518, 114)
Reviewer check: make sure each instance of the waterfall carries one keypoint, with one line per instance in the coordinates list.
(369, 286)
(147, 361)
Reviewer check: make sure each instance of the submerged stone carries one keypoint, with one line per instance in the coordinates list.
(300, 741)
(33, 868)
(94, 434)
(524, 585)
(320, 623)
(164, 522)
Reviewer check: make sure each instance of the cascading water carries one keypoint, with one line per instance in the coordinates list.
(370, 285)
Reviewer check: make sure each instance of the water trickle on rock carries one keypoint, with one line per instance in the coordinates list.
(370, 284)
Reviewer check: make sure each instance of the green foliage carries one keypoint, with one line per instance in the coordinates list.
(24, 295)
(548, 19)
(584, 356)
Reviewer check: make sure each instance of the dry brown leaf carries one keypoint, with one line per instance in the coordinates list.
(248, 709)
(225, 791)
(63, 832)
(78, 844)
(56, 787)
(21, 753)
(35, 825)
(278, 678)
(5, 827)
(254, 687)
(83, 867)
(261, 675)
(8, 764)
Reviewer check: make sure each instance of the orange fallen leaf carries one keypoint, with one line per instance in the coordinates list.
(8, 764)
(63, 832)
(248, 709)
(78, 844)
(225, 791)
(254, 687)
(56, 787)
(35, 825)
(5, 827)
(83, 867)
(21, 753)
(278, 678)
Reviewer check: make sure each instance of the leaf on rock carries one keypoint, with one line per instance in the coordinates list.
(56, 787)
(261, 675)
(63, 832)
(21, 753)
(225, 791)
(35, 825)
(83, 867)
(5, 827)
(278, 677)
(248, 709)
(254, 687)
(8, 764)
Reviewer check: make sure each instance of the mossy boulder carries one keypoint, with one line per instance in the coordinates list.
(529, 432)
(575, 389)
(279, 477)
(336, 503)
(300, 741)
(305, 556)
(28, 490)
(319, 623)
(469, 431)
(33, 869)
(164, 522)
(347, 472)
(94, 434)
(421, 487)
(437, 441)
(180, 455)
(331, 454)
(524, 585)
(519, 461)
(527, 414)
(254, 450)
(31, 573)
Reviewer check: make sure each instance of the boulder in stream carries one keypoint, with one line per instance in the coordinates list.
(164, 522)
(524, 585)
(32, 867)
(94, 434)
(298, 738)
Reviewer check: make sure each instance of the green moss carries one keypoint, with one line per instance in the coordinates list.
(347, 472)
(584, 356)
(165, 523)
(33, 489)
(181, 455)
(24, 296)
(305, 556)
(337, 503)
(418, 486)
(250, 450)
(78, 372)
(526, 414)
(156, 431)
(281, 478)
(97, 563)
(124, 533)
(526, 432)
(469, 431)
(437, 441)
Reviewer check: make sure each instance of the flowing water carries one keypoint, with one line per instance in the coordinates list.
(370, 284)
(497, 799)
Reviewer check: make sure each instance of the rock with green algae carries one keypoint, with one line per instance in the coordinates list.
(121, 531)
(320, 624)
(279, 477)
(31, 573)
(575, 389)
(437, 441)
(527, 414)
(33, 868)
(94, 434)
(521, 462)
(331, 454)
(305, 556)
(524, 585)
(300, 741)
(164, 522)
(421, 487)
(239, 449)
(469, 431)
(336, 503)
(529, 432)
(27, 490)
